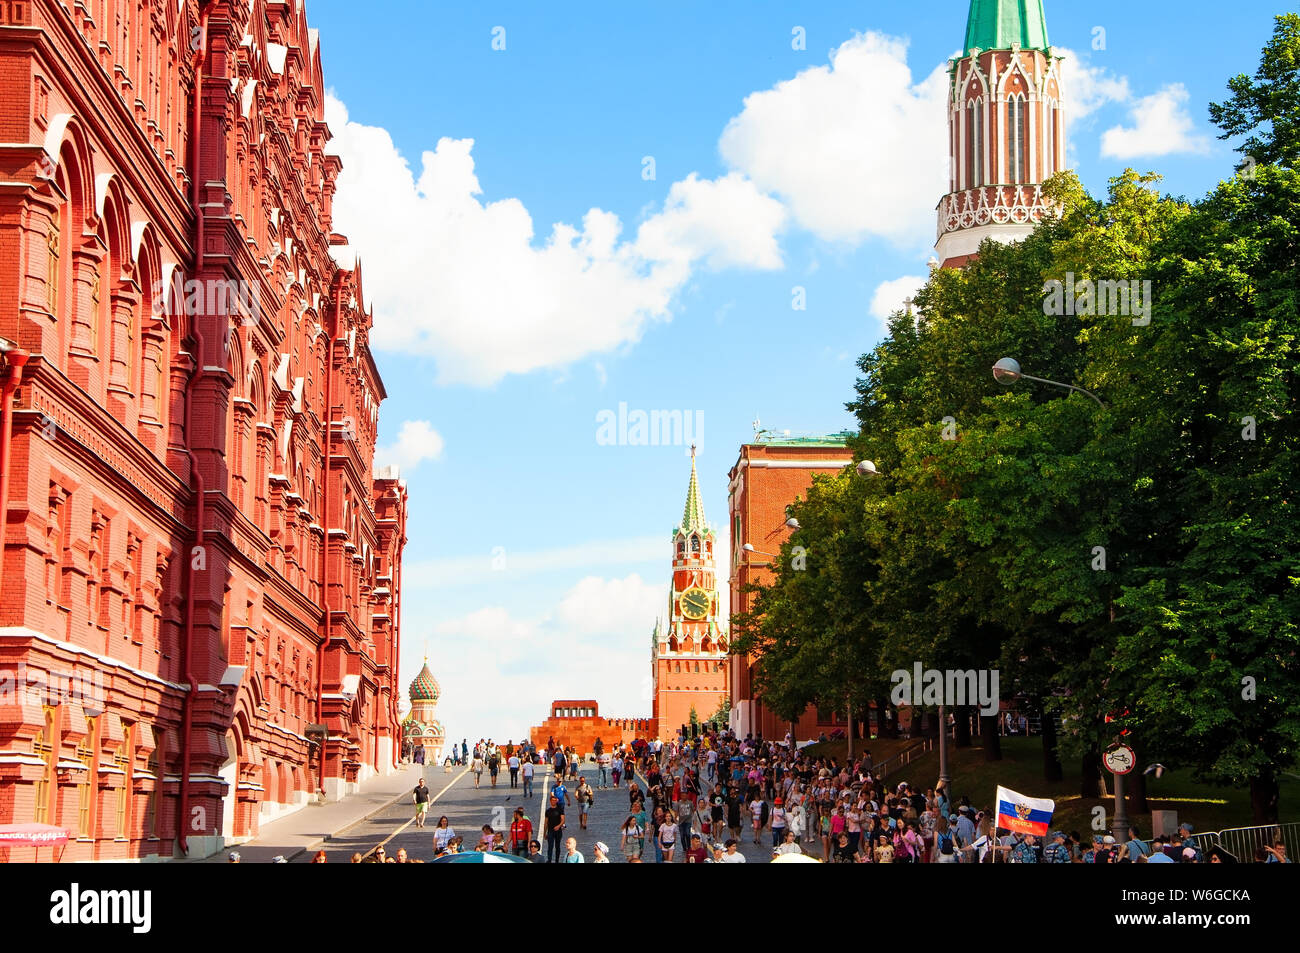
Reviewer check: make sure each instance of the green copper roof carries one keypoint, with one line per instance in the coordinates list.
(998, 24)
(693, 517)
(767, 438)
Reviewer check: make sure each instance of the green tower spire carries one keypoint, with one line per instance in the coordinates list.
(998, 24)
(693, 517)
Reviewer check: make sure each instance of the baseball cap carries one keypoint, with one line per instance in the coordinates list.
(234, 857)
(1108, 839)
(602, 847)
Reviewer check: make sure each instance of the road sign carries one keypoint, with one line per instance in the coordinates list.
(1120, 759)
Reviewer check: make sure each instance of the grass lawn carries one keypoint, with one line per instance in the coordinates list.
(1205, 806)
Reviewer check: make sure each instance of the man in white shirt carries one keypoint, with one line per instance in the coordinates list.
(513, 763)
(527, 770)
(712, 760)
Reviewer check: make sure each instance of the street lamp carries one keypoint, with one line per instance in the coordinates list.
(867, 469)
(1007, 371)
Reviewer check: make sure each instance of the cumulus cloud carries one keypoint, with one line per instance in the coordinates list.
(1088, 88)
(890, 295)
(1161, 126)
(612, 605)
(416, 441)
(491, 299)
(856, 149)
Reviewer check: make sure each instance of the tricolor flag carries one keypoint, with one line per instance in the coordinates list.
(1024, 815)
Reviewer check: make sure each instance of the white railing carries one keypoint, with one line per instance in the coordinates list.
(989, 205)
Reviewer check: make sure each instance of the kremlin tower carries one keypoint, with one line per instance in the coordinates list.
(420, 728)
(1006, 129)
(690, 659)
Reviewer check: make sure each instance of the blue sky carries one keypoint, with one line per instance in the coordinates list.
(539, 554)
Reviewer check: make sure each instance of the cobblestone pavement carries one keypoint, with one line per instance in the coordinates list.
(468, 809)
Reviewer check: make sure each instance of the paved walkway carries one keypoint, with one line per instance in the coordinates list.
(300, 834)
(468, 808)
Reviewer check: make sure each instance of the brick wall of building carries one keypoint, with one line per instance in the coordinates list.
(766, 479)
(248, 362)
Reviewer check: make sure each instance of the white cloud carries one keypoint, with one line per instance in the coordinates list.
(490, 300)
(612, 605)
(890, 295)
(1161, 126)
(416, 441)
(856, 149)
(1087, 88)
(499, 564)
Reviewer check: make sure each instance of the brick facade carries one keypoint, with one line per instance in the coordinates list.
(768, 477)
(195, 533)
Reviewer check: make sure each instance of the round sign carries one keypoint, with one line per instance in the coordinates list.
(1120, 759)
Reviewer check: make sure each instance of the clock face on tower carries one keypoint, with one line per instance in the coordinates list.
(695, 603)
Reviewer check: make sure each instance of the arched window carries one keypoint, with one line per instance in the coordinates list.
(1050, 140)
(695, 544)
(1017, 120)
(975, 142)
(45, 746)
(122, 759)
(681, 547)
(85, 754)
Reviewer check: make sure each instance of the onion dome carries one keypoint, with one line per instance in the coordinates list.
(425, 687)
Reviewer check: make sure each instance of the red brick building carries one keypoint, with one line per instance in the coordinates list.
(771, 473)
(199, 606)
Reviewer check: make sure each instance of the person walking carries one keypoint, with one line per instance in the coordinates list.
(494, 765)
(603, 761)
(616, 769)
(513, 764)
(527, 771)
(571, 854)
(633, 839)
(443, 835)
(585, 798)
(477, 766)
(421, 798)
(554, 830)
(521, 832)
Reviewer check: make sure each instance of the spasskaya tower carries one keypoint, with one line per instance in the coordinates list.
(690, 658)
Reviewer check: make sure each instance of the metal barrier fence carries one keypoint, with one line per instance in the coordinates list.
(1242, 842)
(889, 765)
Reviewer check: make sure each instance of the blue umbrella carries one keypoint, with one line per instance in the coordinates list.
(479, 857)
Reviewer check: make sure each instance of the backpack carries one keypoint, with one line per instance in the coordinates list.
(945, 843)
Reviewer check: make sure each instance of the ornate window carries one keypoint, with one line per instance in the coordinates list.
(85, 753)
(975, 115)
(1016, 123)
(45, 746)
(695, 544)
(52, 272)
(122, 761)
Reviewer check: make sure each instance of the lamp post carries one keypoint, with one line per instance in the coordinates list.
(1007, 371)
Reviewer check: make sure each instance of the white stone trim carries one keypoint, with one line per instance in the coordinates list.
(22, 632)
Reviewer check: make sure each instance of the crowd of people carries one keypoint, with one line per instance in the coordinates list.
(694, 799)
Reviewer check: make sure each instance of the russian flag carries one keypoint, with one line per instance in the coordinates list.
(1024, 815)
